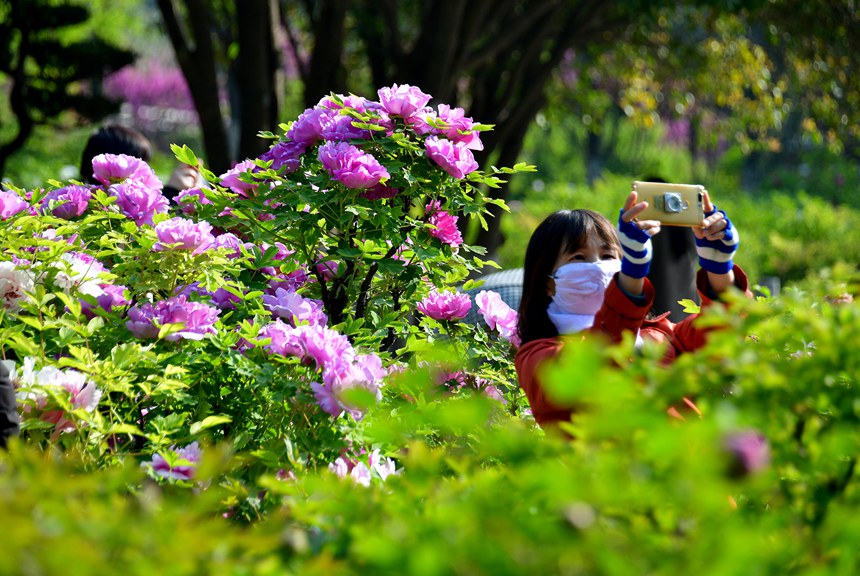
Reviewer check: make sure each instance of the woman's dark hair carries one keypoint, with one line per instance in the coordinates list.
(113, 139)
(563, 230)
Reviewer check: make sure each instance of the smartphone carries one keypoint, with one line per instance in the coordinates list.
(671, 204)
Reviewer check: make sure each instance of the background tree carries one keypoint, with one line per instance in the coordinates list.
(44, 70)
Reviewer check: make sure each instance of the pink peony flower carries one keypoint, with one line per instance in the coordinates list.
(403, 100)
(230, 179)
(138, 201)
(498, 315)
(182, 234)
(350, 166)
(11, 204)
(309, 126)
(116, 168)
(186, 200)
(15, 282)
(341, 129)
(445, 305)
(458, 128)
(181, 465)
(454, 158)
(294, 308)
(69, 202)
(197, 319)
(444, 225)
(286, 155)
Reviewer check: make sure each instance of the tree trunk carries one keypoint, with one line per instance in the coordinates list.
(198, 67)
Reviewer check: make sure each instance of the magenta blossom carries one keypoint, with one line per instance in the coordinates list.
(138, 201)
(459, 128)
(498, 315)
(350, 166)
(294, 308)
(180, 465)
(115, 168)
(69, 202)
(182, 234)
(187, 198)
(112, 296)
(286, 155)
(230, 179)
(445, 305)
(11, 204)
(454, 158)
(403, 100)
(353, 102)
(142, 321)
(444, 225)
(309, 126)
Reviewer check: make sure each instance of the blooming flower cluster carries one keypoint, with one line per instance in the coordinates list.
(443, 225)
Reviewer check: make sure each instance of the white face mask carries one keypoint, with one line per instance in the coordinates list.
(579, 289)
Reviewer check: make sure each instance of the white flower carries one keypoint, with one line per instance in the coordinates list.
(14, 283)
(76, 271)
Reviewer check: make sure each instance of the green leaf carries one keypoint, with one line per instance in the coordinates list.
(209, 422)
(184, 154)
(690, 307)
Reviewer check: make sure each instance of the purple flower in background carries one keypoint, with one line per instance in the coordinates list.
(230, 179)
(326, 398)
(350, 166)
(182, 234)
(498, 315)
(444, 225)
(185, 462)
(230, 243)
(115, 168)
(142, 321)
(69, 202)
(197, 319)
(186, 199)
(286, 155)
(445, 305)
(11, 204)
(294, 308)
(402, 100)
(113, 296)
(138, 201)
(748, 452)
(454, 158)
(380, 192)
(309, 126)
(220, 298)
(327, 269)
(458, 128)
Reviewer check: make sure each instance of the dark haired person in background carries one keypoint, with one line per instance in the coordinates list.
(8, 408)
(118, 139)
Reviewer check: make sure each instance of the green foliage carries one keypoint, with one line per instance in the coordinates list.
(481, 492)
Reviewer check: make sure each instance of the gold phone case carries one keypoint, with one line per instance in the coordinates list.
(671, 204)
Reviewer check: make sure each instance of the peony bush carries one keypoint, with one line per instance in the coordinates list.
(269, 309)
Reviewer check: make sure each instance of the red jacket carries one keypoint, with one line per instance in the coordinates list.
(618, 313)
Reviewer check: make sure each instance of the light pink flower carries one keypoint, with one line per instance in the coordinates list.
(286, 155)
(69, 202)
(294, 308)
(309, 126)
(182, 234)
(498, 315)
(139, 201)
(15, 282)
(458, 127)
(186, 200)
